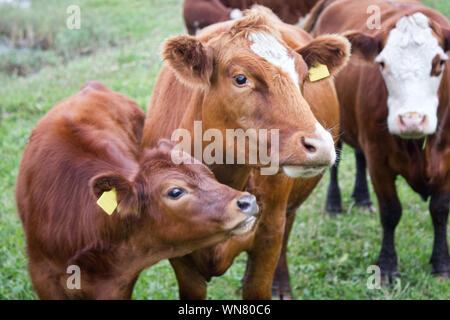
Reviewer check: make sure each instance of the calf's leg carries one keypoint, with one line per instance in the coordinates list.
(191, 284)
(361, 190)
(46, 284)
(440, 260)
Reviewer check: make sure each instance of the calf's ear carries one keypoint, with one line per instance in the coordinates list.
(126, 195)
(190, 59)
(330, 50)
(365, 46)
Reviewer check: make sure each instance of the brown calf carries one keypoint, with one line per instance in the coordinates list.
(395, 111)
(252, 73)
(199, 14)
(89, 144)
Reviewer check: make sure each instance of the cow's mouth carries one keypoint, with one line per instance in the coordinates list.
(244, 227)
(304, 171)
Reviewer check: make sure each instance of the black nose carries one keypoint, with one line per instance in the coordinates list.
(247, 204)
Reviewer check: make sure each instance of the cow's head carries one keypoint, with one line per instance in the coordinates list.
(412, 60)
(182, 207)
(252, 80)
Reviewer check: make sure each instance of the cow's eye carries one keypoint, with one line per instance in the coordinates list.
(442, 62)
(240, 80)
(382, 64)
(176, 193)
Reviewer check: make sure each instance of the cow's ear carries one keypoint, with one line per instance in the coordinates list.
(125, 195)
(365, 46)
(190, 59)
(330, 50)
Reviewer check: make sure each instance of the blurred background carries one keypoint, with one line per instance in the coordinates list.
(43, 61)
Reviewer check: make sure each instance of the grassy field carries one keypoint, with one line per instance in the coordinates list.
(41, 62)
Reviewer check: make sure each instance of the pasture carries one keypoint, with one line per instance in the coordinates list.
(42, 62)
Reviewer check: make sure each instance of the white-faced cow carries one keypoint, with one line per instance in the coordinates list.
(395, 111)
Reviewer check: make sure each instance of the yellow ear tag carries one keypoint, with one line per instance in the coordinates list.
(108, 201)
(318, 72)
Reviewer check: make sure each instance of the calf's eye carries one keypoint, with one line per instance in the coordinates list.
(442, 62)
(176, 193)
(240, 80)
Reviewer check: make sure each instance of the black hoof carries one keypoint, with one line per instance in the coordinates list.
(281, 294)
(442, 276)
(365, 206)
(388, 279)
(281, 289)
(333, 209)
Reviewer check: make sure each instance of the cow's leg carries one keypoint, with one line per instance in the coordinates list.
(265, 251)
(334, 203)
(440, 260)
(390, 213)
(191, 284)
(281, 287)
(361, 191)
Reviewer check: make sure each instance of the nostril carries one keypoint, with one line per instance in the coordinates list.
(424, 120)
(243, 204)
(308, 146)
(247, 204)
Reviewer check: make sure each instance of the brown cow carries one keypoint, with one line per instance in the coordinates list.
(395, 109)
(199, 14)
(242, 75)
(86, 145)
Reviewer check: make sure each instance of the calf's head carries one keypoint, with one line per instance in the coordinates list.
(181, 207)
(412, 59)
(251, 79)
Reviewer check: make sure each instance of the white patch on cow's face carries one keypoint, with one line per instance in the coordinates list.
(266, 46)
(413, 91)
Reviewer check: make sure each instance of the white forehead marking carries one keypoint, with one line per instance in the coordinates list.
(410, 48)
(266, 46)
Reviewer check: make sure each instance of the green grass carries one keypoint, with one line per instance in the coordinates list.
(119, 44)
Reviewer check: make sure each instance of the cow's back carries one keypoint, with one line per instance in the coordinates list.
(344, 15)
(89, 133)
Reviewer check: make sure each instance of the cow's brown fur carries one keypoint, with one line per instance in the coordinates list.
(199, 14)
(363, 97)
(175, 105)
(90, 143)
